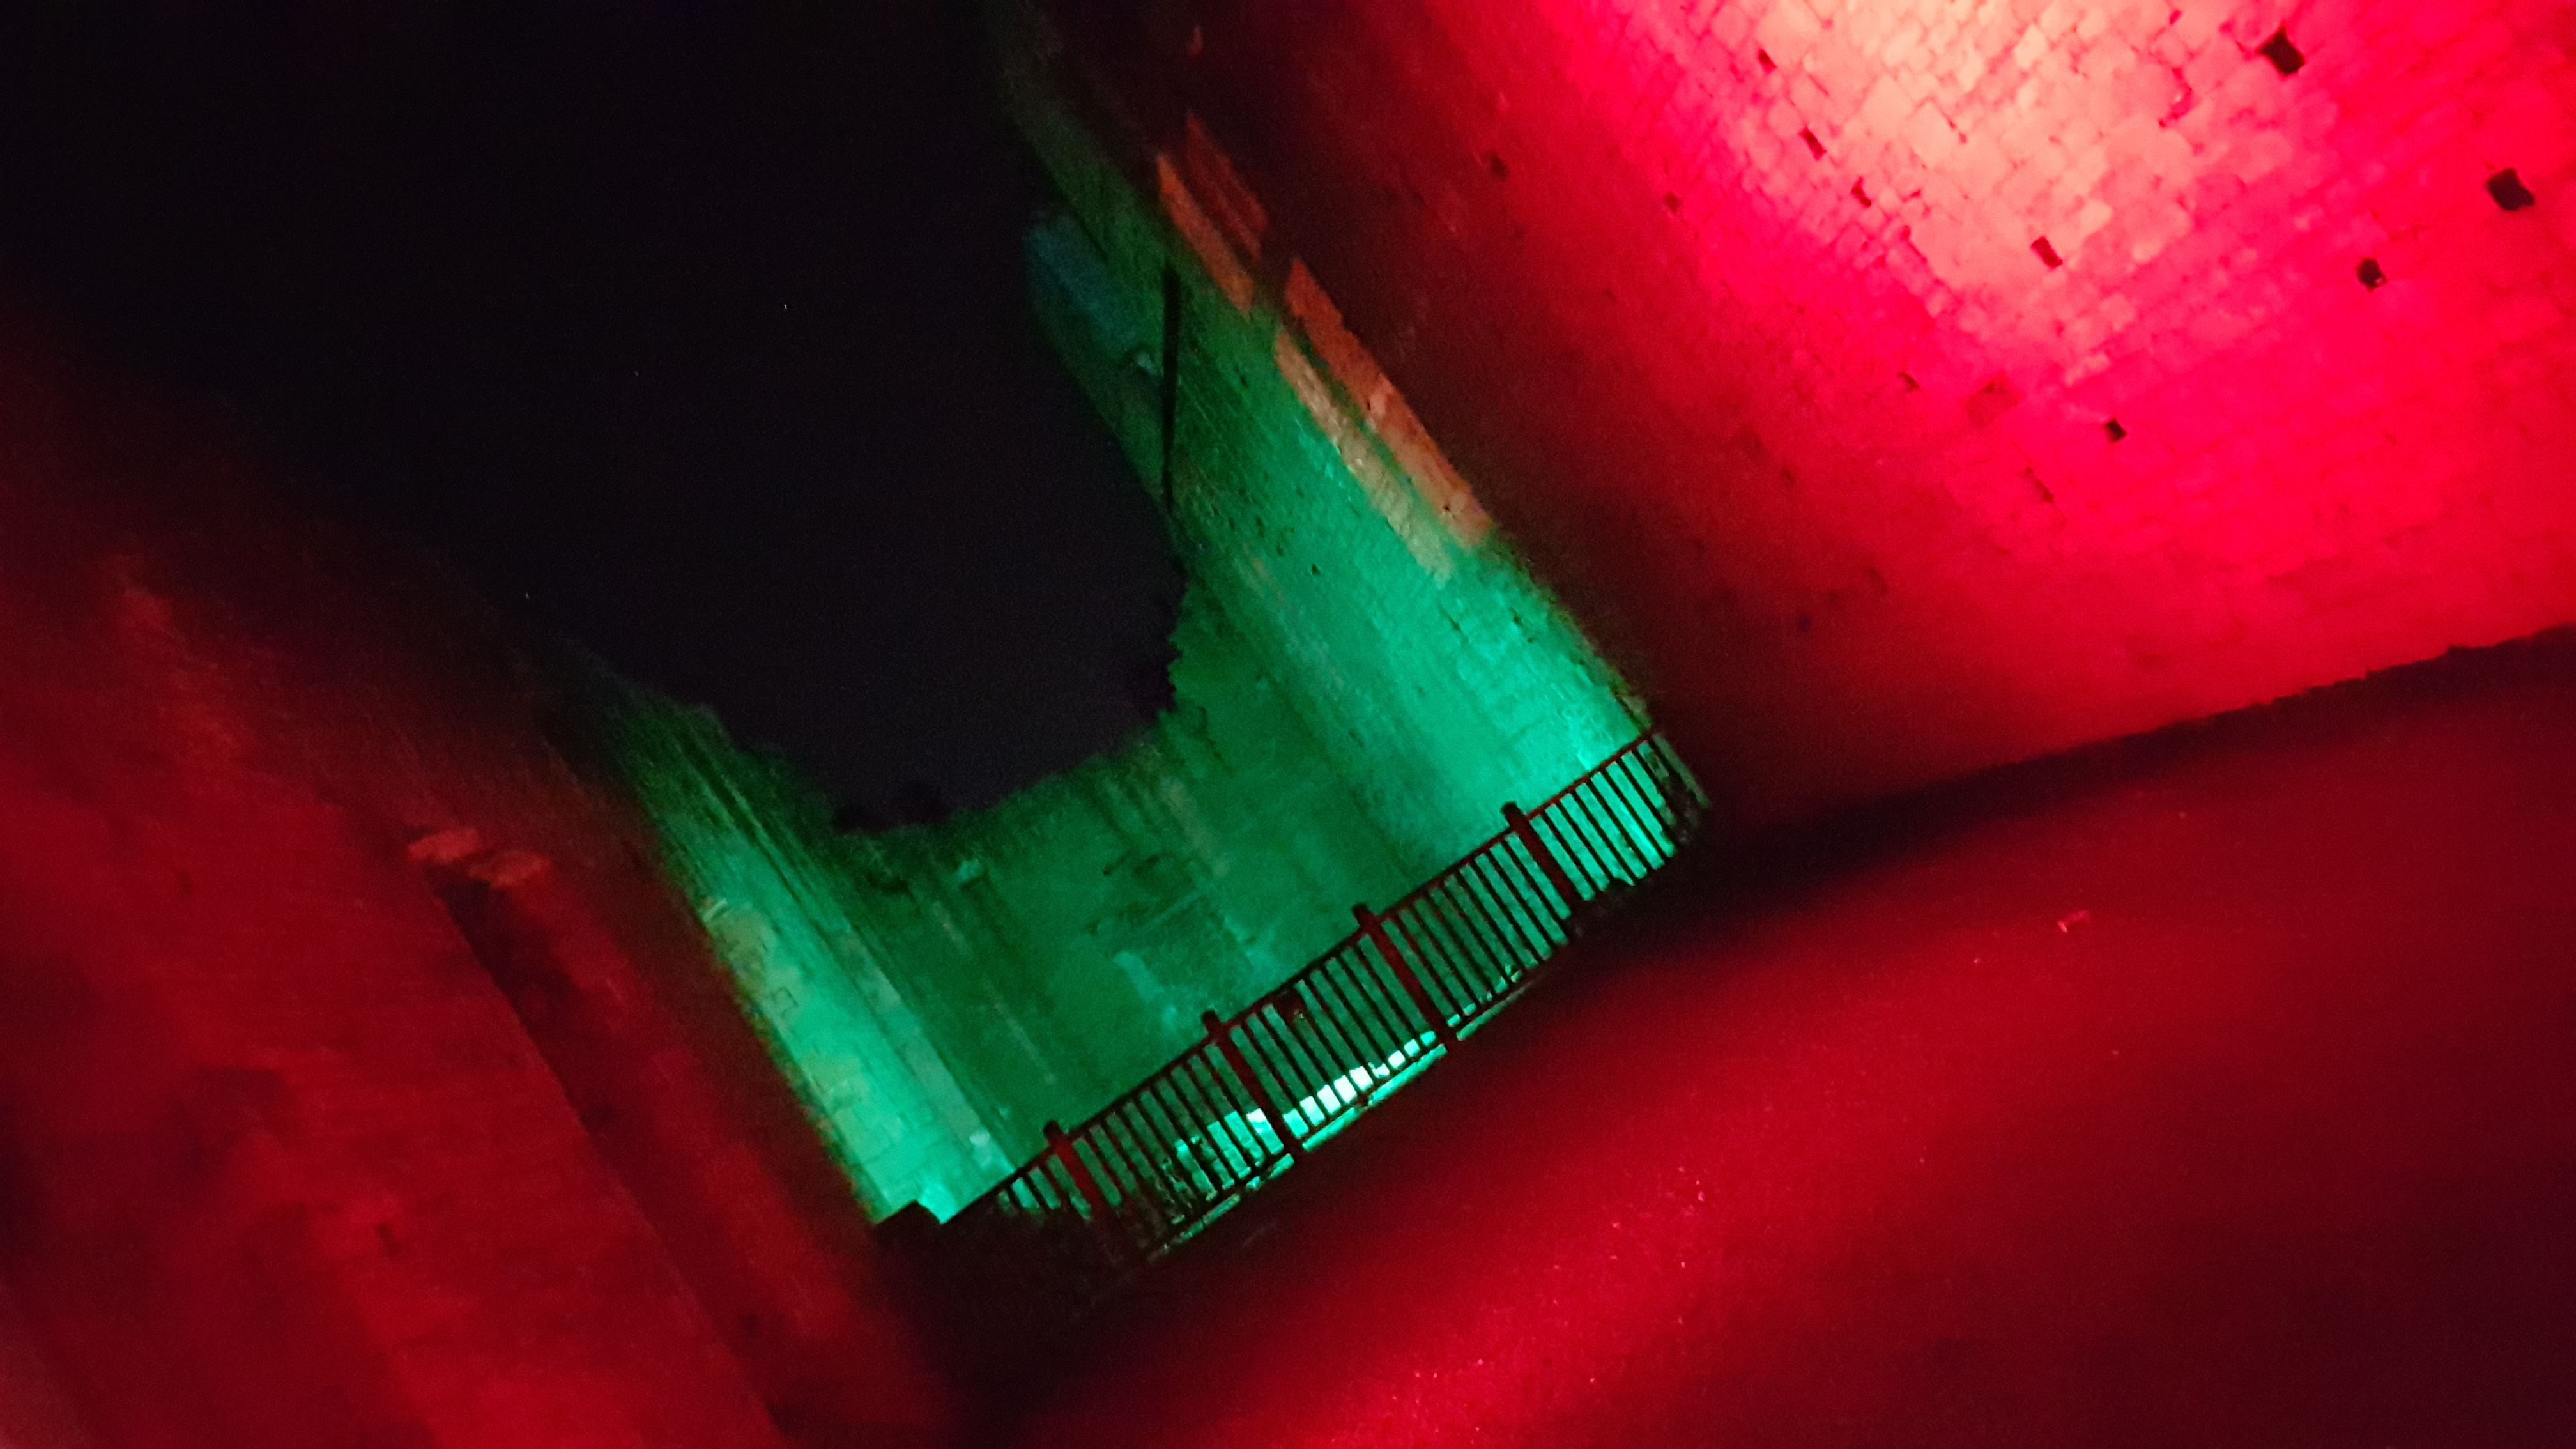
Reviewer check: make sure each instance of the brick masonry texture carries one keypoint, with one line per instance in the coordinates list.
(292, 1151)
(1361, 680)
(1788, 338)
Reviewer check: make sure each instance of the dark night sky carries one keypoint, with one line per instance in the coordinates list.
(696, 332)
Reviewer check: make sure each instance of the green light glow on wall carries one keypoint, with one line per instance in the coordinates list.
(1365, 674)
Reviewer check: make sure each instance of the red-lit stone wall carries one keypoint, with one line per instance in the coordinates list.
(1905, 388)
(35, 1410)
(293, 1150)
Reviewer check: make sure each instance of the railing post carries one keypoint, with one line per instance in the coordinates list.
(1224, 1038)
(1557, 879)
(1375, 929)
(1112, 1235)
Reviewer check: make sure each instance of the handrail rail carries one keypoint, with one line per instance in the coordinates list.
(1179, 1149)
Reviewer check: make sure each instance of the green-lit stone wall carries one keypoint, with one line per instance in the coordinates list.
(752, 846)
(1365, 674)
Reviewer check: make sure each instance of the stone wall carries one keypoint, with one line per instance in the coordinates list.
(1365, 674)
(291, 1150)
(1901, 389)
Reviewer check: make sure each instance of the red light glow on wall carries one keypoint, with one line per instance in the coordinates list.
(1909, 388)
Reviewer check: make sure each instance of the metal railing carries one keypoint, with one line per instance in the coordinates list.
(1268, 1083)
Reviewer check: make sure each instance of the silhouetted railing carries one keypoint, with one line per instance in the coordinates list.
(1270, 1082)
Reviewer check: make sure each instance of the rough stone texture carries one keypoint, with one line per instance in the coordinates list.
(35, 1410)
(282, 1162)
(1787, 337)
(1365, 673)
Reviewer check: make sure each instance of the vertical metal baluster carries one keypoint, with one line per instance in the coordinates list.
(1261, 1039)
(1639, 822)
(1470, 959)
(1155, 1115)
(1580, 809)
(1223, 1036)
(1545, 859)
(1614, 831)
(1474, 888)
(1404, 977)
(1206, 1120)
(1372, 1011)
(1229, 1133)
(1121, 1248)
(1415, 932)
(1551, 833)
(1509, 937)
(1566, 834)
(1133, 1181)
(1511, 956)
(1291, 1052)
(1533, 904)
(1354, 1026)
(1459, 950)
(1648, 781)
(1150, 1120)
